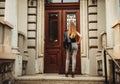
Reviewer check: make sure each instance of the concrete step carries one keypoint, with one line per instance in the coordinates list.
(59, 79)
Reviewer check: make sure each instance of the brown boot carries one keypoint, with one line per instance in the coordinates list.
(66, 74)
(73, 74)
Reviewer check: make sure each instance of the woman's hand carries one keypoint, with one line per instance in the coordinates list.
(80, 38)
(78, 43)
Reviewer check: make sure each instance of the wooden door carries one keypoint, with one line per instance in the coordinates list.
(52, 41)
(71, 15)
(56, 22)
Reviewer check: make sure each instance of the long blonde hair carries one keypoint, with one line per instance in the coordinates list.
(72, 30)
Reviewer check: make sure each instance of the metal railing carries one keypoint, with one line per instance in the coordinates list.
(115, 69)
(6, 76)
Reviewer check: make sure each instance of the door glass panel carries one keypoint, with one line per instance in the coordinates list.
(70, 0)
(53, 28)
(70, 17)
(56, 1)
(60, 1)
(53, 1)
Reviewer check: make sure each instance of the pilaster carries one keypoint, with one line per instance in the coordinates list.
(40, 41)
(84, 32)
(92, 36)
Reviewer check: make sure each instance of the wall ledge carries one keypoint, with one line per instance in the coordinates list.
(6, 56)
(21, 33)
(103, 33)
(6, 23)
(116, 23)
(5, 52)
(1, 21)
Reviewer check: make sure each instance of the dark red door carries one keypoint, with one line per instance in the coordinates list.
(53, 41)
(56, 22)
(71, 15)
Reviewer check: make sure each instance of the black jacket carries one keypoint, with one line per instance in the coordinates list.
(66, 41)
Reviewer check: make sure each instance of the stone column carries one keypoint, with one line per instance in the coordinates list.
(84, 32)
(40, 38)
(11, 16)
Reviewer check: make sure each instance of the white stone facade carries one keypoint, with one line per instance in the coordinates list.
(94, 19)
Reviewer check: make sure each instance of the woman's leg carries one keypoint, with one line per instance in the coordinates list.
(67, 60)
(74, 54)
(74, 60)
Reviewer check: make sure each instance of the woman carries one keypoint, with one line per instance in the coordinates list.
(73, 33)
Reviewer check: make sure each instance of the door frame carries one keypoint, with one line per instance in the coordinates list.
(65, 7)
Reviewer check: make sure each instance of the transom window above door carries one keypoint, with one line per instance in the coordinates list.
(61, 1)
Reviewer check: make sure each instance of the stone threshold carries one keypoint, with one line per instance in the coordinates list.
(60, 77)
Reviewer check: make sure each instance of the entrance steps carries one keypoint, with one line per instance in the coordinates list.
(59, 79)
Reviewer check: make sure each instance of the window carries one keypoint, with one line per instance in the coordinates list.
(53, 27)
(61, 1)
(53, 1)
(70, 0)
(70, 17)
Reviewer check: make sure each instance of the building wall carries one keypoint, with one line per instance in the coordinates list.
(2, 9)
(91, 33)
(22, 22)
(101, 17)
(36, 36)
(112, 14)
(101, 20)
(94, 19)
(11, 16)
